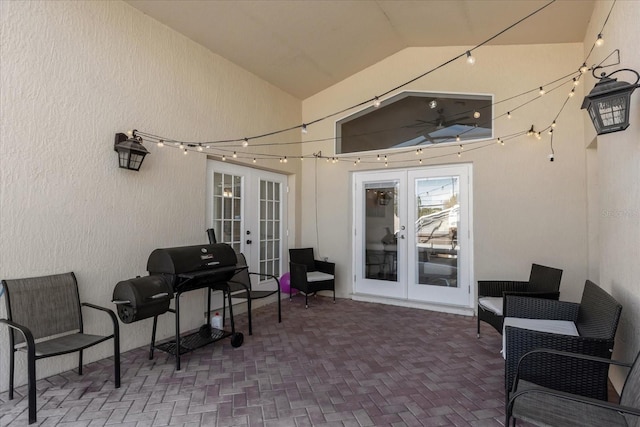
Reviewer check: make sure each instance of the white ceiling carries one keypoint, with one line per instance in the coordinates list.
(306, 46)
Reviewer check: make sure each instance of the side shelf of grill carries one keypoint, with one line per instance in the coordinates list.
(206, 335)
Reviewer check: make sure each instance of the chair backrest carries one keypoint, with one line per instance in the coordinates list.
(598, 314)
(241, 280)
(630, 395)
(544, 279)
(303, 256)
(47, 305)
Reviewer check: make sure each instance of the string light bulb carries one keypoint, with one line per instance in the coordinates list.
(420, 161)
(254, 160)
(161, 143)
(376, 102)
(573, 92)
(224, 158)
(508, 114)
(459, 154)
(200, 148)
(378, 157)
(576, 81)
(538, 136)
(470, 58)
(235, 156)
(530, 131)
(553, 125)
(541, 91)
(457, 138)
(599, 40)
(284, 160)
(185, 152)
(461, 147)
(181, 146)
(245, 142)
(584, 68)
(498, 141)
(304, 129)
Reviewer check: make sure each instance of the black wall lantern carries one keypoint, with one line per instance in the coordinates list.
(131, 152)
(608, 102)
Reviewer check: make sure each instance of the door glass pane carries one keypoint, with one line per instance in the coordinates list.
(381, 226)
(270, 227)
(436, 228)
(227, 213)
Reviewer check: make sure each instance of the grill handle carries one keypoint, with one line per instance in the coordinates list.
(160, 295)
(119, 301)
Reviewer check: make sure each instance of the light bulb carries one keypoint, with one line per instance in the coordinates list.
(476, 114)
(185, 152)
(161, 143)
(386, 164)
(541, 91)
(224, 158)
(376, 102)
(245, 142)
(235, 156)
(129, 133)
(508, 114)
(284, 160)
(378, 156)
(254, 160)
(420, 161)
(355, 163)
(470, 59)
(459, 154)
(461, 147)
(599, 40)
(304, 129)
(551, 131)
(576, 81)
(498, 141)
(200, 148)
(553, 125)
(458, 138)
(358, 159)
(538, 136)
(584, 68)
(181, 145)
(573, 92)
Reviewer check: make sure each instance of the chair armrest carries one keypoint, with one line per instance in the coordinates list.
(540, 308)
(26, 333)
(111, 314)
(495, 288)
(325, 267)
(269, 276)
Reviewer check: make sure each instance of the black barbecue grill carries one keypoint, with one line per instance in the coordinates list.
(173, 271)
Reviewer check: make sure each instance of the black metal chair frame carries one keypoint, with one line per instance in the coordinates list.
(301, 262)
(45, 319)
(596, 319)
(240, 287)
(536, 404)
(543, 282)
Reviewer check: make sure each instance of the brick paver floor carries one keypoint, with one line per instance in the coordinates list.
(344, 364)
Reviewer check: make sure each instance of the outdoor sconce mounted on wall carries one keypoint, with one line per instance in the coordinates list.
(608, 102)
(130, 150)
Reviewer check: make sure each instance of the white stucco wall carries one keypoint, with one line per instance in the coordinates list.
(526, 209)
(617, 170)
(73, 74)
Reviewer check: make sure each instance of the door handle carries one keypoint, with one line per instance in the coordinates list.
(248, 242)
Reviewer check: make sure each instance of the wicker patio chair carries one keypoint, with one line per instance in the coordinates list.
(240, 287)
(595, 319)
(310, 275)
(543, 282)
(547, 407)
(47, 309)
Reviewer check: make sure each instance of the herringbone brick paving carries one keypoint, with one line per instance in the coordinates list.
(344, 364)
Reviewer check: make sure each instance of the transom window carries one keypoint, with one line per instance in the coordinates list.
(415, 119)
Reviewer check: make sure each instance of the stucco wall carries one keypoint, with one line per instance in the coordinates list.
(73, 74)
(526, 209)
(617, 170)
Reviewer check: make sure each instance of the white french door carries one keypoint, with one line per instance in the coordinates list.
(247, 209)
(413, 234)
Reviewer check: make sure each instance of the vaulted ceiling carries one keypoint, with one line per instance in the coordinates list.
(304, 47)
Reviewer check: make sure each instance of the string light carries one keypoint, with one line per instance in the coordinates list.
(457, 138)
(498, 141)
(181, 146)
(420, 161)
(538, 136)
(224, 158)
(185, 152)
(304, 129)
(553, 125)
(459, 154)
(200, 148)
(378, 157)
(235, 156)
(541, 91)
(245, 142)
(161, 143)
(530, 131)
(284, 160)
(599, 40)
(358, 159)
(376, 102)
(573, 92)
(584, 68)
(254, 160)
(461, 147)
(470, 58)
(508, 114)
(576, 81)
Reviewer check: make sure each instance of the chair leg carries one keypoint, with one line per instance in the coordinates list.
(478, 320)
(80, 362)
(249, 311)
(279, 309)
(116, 355)
(31, 374)
(12, 355)
(306, 300)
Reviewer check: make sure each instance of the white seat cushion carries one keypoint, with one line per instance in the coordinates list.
(493, 304)
(560, 327)
(318, 276)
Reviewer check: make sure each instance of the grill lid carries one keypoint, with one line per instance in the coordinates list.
(187, 259)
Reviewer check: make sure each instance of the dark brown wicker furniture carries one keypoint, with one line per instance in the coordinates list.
(596, 320)
(543, 282)
(240, 287)
(310, 275)
(47, 309)
(547, 407)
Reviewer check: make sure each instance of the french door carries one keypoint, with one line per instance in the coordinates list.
(247, 209)
(413, 234)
